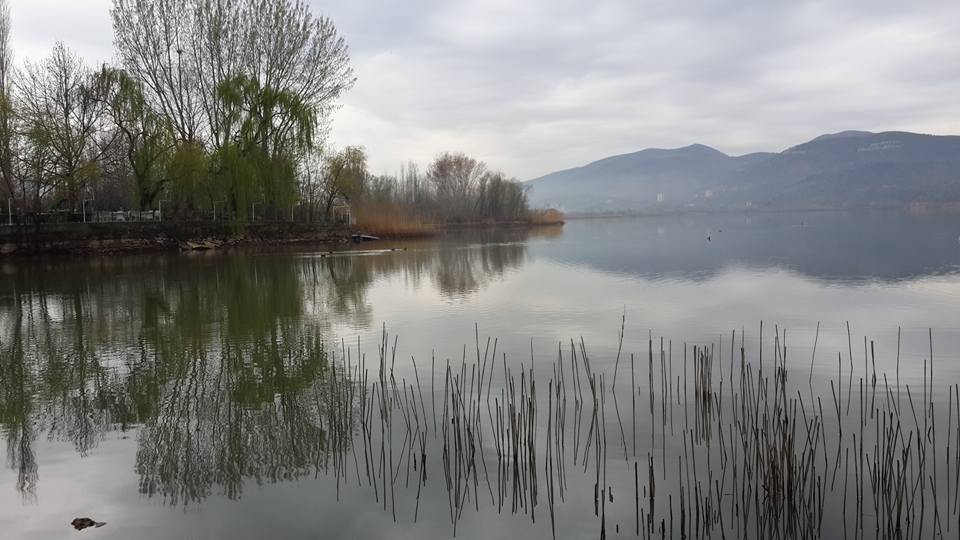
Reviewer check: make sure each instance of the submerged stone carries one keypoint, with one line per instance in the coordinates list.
(85, 522)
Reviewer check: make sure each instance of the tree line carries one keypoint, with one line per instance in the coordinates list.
(213, 106)
(210, 103)
(454, 188)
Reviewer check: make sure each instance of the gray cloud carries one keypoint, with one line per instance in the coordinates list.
(539, 85)
(83, 25)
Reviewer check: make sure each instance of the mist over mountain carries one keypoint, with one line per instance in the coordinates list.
(851, 169)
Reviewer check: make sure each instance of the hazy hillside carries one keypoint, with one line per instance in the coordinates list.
(848, 169)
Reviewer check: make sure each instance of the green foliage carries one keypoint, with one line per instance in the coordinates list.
(277, 121)
(345, 175)
(7, 189)
(188, 170)
(87, 173)
(147, 138)
(210, 103)
(60, 109)
(270, 130)
(237, 177)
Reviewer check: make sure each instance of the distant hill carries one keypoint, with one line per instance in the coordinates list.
(840, 170)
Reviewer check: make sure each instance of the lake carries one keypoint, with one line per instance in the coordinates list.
(612, 377)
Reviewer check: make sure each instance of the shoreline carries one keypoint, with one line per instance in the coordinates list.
(78, 240)
(97, 239)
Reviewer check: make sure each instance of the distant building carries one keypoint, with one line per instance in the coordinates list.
(341, 211)
(659, 197)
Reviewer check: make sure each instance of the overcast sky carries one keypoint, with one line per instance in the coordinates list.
(532, 86)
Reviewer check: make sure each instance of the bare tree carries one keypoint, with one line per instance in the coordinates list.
(154, 40)
(344, 175)
(6, 102)
(455, 177)
(279, 44)
(216, 54)
(185, 50)
(62, 118)
(455, 188)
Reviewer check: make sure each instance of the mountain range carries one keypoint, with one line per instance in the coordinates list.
(851, 169)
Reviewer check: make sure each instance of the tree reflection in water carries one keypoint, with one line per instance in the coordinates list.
(220, 363)
(237, 412)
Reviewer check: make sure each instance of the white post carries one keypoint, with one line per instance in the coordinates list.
(83, 206)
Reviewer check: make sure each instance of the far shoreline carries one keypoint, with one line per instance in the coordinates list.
(934, 209)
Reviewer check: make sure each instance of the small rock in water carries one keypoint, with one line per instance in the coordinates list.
(85, 522)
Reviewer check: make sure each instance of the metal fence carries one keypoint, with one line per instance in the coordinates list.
(340, 215)
(126, 216)
(119, 216)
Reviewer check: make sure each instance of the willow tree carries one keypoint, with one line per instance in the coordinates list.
(147, 138)
(269, 130)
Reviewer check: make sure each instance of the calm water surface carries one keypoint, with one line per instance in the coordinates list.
(187, 396)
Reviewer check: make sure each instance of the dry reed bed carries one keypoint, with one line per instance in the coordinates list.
(394, 221)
